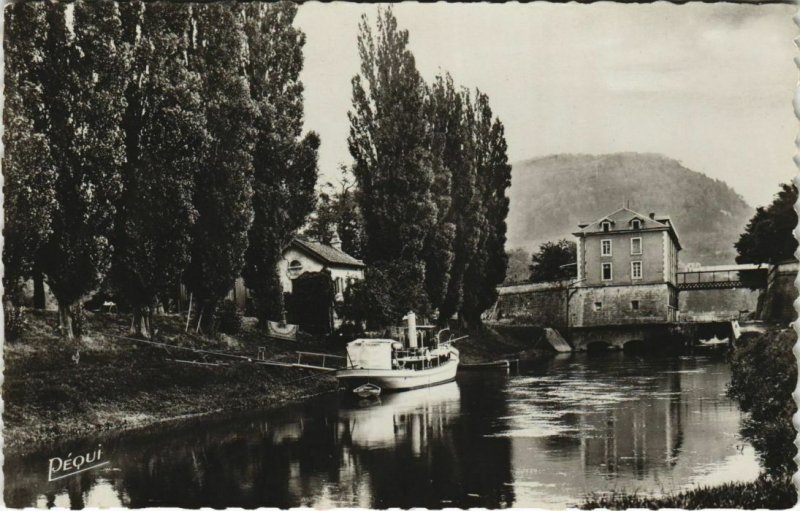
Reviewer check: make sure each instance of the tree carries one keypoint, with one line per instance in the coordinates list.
(768, 237)
(28, 169)
(166, 132)
(518, 266)
(550, 262)
(223, 185)
(337, 213)
(389, 144)
(86, 141)
(284, 161)
(487, 268)
(444, 111)
(466, 211)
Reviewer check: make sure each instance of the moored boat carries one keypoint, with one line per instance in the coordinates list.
(416, 359)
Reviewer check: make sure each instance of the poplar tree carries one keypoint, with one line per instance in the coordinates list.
(83, 80)
(223, 185)
(284, 161)
(444, 112)
(392, 162)
(466, 210)
(487, 268)
(165, 136)
(28, 169)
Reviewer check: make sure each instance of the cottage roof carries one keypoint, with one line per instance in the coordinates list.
(621, 220)
(330, 255)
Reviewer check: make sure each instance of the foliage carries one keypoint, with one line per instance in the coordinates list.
(487, 267)
(337, 212)
(310, 304)
(548, 263)
(518, 266)
(86, 142)
(28, 169)
(229, 318)
(164, 143)
(284, 162)
(15, 321)
(224, 178)
(764, 374)
(768, 237)
(444, 112)
(384, 296)
(571, 189)
(432, 171)
(388, 142)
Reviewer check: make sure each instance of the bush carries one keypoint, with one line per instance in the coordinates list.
(387, 293)
(15, 321)
(763, 378)
(228, 318)
(310, 304)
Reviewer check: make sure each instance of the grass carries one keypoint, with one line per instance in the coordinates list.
(119, 385)
(763, 493)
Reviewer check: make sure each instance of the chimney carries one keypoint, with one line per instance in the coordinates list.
(652, 216)
(336, 242)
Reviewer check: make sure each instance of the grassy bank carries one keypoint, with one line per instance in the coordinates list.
(118, 385)
(486, 345)
(761, 494)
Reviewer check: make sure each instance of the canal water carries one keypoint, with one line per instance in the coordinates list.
(547, 437)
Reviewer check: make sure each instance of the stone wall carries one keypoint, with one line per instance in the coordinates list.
(533, 304)
(718, 304)
(621, 305)
(778, 302)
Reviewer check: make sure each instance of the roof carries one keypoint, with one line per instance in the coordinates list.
(326, 253)
(621, 221)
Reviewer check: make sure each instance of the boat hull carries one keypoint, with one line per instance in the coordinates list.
(398, 379)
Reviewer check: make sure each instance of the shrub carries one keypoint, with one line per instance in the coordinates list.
(764, 373)
(229, 318)
(15, 321)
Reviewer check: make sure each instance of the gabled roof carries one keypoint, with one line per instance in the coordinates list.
(621, 220)
(330, 255)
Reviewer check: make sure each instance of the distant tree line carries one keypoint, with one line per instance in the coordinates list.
(149, 144)
(430, 162)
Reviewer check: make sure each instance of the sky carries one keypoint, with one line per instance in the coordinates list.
(710, 85)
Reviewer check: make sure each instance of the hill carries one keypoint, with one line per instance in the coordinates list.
(551, 195)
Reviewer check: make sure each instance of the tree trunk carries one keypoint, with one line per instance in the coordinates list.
(138, 327)
(38, 290)
(65, 321)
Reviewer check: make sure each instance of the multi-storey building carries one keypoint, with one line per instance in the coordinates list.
(627, 271)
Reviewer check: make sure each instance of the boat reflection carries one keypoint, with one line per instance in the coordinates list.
(413, 416)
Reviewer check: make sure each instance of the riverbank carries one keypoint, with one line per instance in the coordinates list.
(120, 385)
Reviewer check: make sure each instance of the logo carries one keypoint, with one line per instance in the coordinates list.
(70, 465)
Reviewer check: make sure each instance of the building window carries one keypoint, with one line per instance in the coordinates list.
(636, 269)
(606, 272)
(606, 226)
(605, 247)
(635, 305)
(636, 246)
(637, 224)
(295, 268)
(598, 306)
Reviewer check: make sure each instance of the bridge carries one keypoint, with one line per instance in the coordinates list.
(723, 277)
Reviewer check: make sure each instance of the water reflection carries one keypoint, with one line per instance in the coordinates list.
(543, 439)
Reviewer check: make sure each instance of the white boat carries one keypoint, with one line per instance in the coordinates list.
(418, 359)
